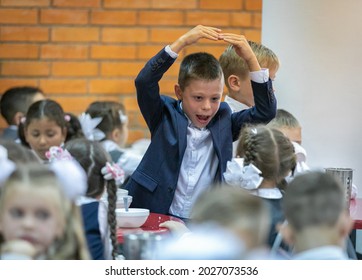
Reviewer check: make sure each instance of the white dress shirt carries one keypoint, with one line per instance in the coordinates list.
(198, 170)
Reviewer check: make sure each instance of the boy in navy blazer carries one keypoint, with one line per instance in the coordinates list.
(191, 138)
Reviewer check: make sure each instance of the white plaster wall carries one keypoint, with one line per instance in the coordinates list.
(319, 43)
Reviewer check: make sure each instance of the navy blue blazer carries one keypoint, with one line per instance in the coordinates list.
(153, 183)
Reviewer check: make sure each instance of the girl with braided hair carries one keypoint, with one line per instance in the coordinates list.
(99, 221)
(264, 158)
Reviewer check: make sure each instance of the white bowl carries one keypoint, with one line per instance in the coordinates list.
(133, 218)
(120, 201)
(122, 192)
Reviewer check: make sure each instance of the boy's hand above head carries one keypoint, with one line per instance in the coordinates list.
(243, 49)
(195, 34)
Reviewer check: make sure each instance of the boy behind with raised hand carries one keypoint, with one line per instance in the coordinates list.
(191, 138)
(318, 219)
(237, 74)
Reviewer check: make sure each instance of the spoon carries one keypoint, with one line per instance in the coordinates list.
(125, 201)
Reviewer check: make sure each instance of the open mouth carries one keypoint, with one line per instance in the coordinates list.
(29, 239)
(203, 119)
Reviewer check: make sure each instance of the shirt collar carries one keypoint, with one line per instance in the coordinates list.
(274, 193)
(189, 122)
(235, 105)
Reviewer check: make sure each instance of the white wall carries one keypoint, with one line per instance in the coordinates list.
(319, 43)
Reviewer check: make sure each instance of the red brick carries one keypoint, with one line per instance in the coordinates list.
(126, 69)
(241, 19)
(75, 69)
(25, 51)
(63, 16)
(77, 3)
(125, 35)
(136, 134)
(25, 68)
(5, 83)
(157, 18)
(167, 86)
(25, 3)
(113, 51)
(221, 5)
(75, 104)
(253, 35)
(3, 124)
(257, 20)
(24, 34)
(64, 51)
(75, 34)
(254, 5)
(129, 4)
(131, 104)
(215, 50)
(146, 52)
(166, 35)
(18, 16)
(175, 4)
(62, 86)
(113, 17)
(112, 86)
(136, 119)
(208, 18)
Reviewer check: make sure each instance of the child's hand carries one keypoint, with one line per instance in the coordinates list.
(195, 34)
(243, 49)
(176, 228)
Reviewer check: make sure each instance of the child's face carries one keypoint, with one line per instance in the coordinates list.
(43, 133)
(201, 100)
(29, 215)
(120, 135)
(293, 133)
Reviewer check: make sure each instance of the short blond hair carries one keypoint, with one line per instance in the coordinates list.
(233, 64)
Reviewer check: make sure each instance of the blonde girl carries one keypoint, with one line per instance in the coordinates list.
(37, 219)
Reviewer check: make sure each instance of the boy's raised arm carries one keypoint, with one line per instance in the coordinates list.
(195, 34)
(243, 49)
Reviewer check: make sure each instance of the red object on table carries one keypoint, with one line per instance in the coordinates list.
(151, 225)
(355, 210)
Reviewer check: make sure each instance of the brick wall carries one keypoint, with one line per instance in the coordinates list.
(79, 51)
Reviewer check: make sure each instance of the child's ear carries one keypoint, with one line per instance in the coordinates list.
(116, 134)
(178, 91)
(234, 82)
(17, 118)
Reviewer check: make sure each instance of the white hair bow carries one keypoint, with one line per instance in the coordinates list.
(89, 129)
(6, 166)
(246, 176)
(123, 118)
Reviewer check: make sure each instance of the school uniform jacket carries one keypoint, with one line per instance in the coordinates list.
(153, 183)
